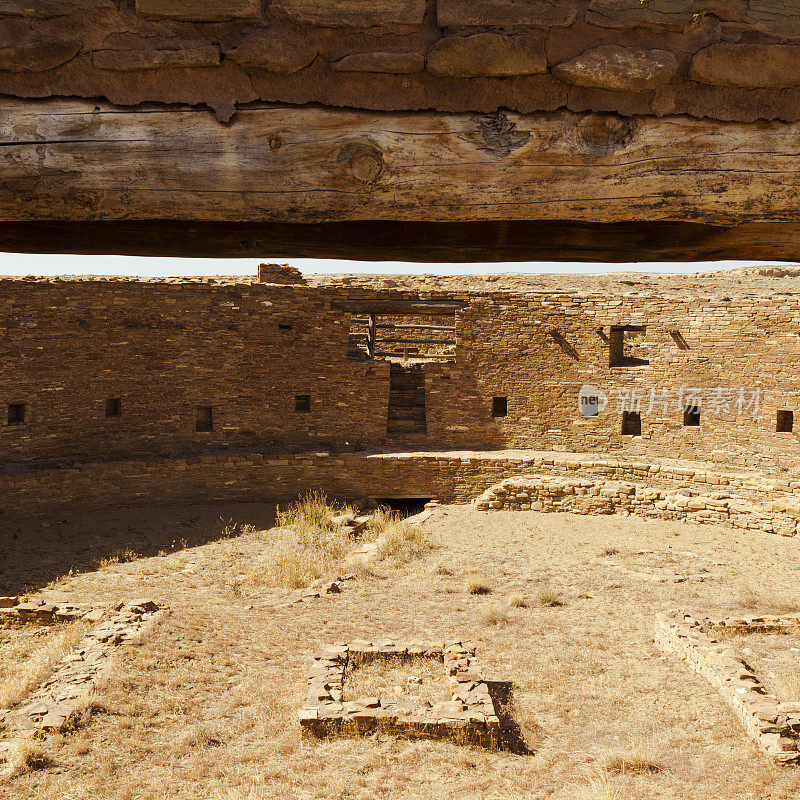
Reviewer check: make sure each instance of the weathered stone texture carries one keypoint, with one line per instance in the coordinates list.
(273, 54)
(38, 56)
(678, 14)
(504, 13)
(390, 63)
(620, 68)
(167, 55)
(51, 8)
(353, 13)
(747, 65)
(198, 10)
(487, 55)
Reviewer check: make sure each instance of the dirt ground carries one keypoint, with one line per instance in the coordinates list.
(207, 706)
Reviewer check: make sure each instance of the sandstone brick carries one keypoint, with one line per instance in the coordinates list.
(390, 63)
(619, 68)
(353, 13)
(179, 55)
(198, 10)
(488, 55)
(677, 14)
(273, 54)
(748, 66)
(38, 56)
(52, 8)
(503, 13)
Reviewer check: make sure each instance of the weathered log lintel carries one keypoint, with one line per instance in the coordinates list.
(457, 242)
(297, 181)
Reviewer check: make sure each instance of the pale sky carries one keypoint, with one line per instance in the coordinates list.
(27, 264)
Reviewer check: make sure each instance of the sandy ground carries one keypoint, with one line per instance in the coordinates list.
(207, 705)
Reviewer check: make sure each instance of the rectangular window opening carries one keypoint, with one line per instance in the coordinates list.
(302, 403)
(113, 407)
(691, 416)
(284, 326)
(499, 406)
(205, 418)
(627, 346)
(16, 414)
(785, 422)
(631, 423)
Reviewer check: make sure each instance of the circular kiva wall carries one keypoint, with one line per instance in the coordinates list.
(580, 483)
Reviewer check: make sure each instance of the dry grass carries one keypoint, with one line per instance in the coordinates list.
(495, 614)
(548, 597)
(207, 705)
(28, 756)
(415, 679)
(121, 556)
(787, 683)
(478, 584)
(767, 599)
(638, 759)
(40, 664)
(401, 541)
(517, 600)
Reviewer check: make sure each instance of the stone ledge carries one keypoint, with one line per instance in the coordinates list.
(774, 726)
(468, 717)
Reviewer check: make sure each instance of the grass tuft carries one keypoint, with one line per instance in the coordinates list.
(636, 760)
(495, 614)
(548, 597)
(478, 584)
(517, 600)
(28, 756)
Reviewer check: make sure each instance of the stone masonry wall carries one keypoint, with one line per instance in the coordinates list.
(448, 476)
(253, 352)
(725, 59)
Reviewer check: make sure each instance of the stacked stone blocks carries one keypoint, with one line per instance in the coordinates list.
(468, 717)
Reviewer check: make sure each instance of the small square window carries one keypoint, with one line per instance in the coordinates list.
(691, 416)
(284, 326)
(16, 414)
(113, 407)
(499, 406)
(302, 403)
(205, 418)
(631, 423)
(785, 422)
(627, 346)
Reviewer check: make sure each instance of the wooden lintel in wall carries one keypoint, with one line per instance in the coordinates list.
(417, 308)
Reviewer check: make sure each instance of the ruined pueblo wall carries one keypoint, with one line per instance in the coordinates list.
(253, 352)
(723, 59)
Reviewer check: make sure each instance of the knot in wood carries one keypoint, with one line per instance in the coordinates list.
(605, 133)
(364, 161)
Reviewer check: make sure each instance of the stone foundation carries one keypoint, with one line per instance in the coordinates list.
(469, 717)
(774, 726)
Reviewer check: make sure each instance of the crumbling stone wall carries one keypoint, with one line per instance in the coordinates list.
(725, 59)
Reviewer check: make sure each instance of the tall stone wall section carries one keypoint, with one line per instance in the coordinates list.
(724, 59)
(248, 351)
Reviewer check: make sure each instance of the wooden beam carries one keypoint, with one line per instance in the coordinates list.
(381, 240)
(410, 307)
(84, 160)
(443, 342)
(414, 326)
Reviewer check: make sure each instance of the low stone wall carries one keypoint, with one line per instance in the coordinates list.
(448, 476)
(774, 726)
(468, 717)
(599, 496)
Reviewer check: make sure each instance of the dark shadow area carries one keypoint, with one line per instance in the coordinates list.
(511, 736)
(404, 506)
(34, 554)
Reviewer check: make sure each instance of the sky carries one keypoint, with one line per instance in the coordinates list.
(28, 264)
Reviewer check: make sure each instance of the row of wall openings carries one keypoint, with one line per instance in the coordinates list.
(632, 421)
(16, 411)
